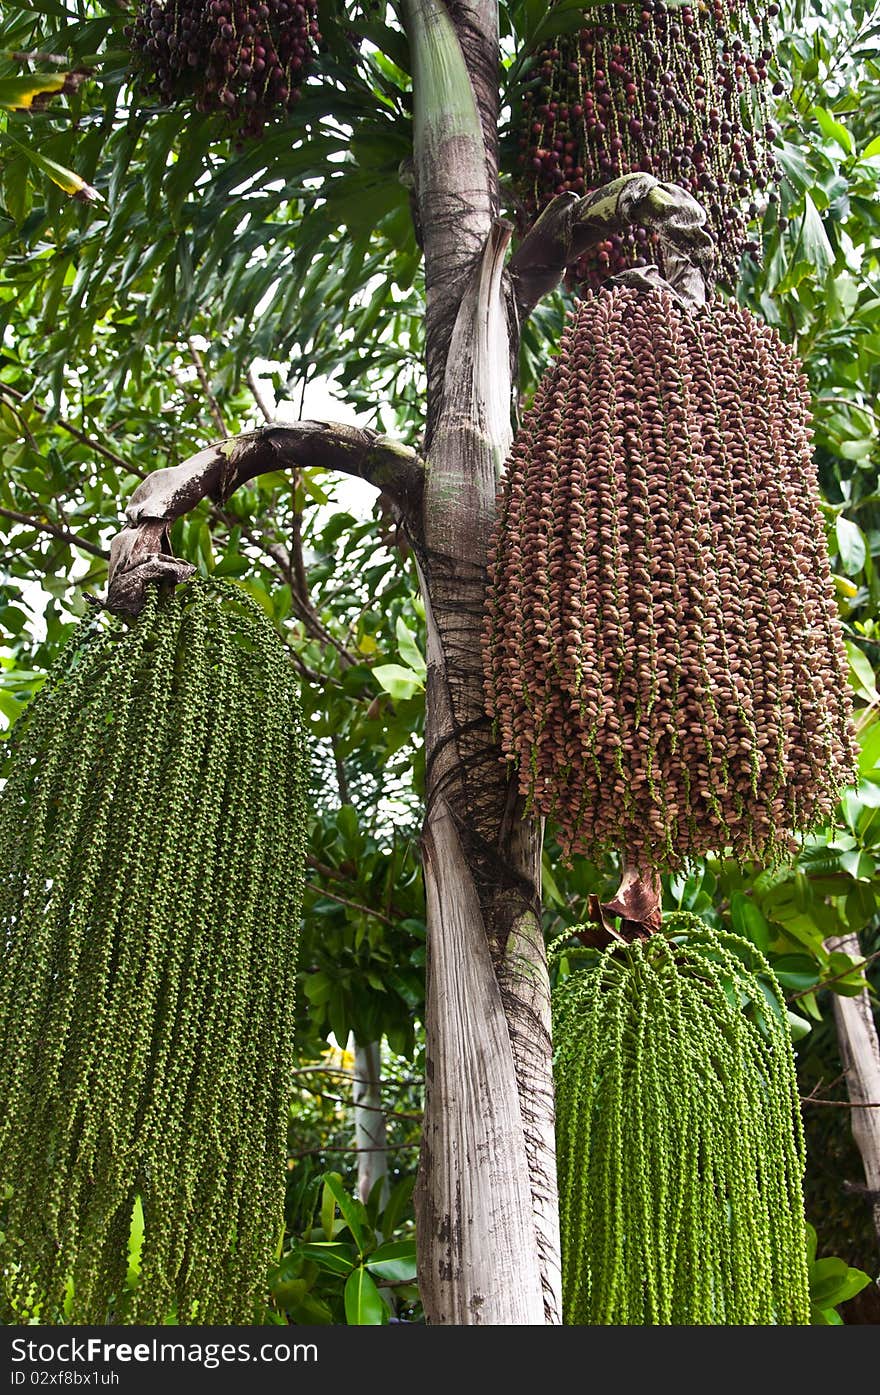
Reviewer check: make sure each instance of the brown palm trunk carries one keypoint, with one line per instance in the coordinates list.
(486, 1200)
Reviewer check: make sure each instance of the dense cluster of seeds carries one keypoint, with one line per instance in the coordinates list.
(680, 1147)
(674, 91)
(246, 59)
(151, 869)
(663, 652)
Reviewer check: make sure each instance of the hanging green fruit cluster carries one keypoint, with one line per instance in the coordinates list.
(664, 659)
(672, 90)
(247, 60)
(152, 854)
(679, 1140)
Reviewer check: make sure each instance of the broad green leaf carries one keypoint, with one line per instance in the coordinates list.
(66, 179)
(851, 545)
(397, 1204)
(795, 971)
(408, 649)
(834, 130)
(395, 1262)
(551, 891)
(328, 1209)
(869, 754)
(400, 683)
(749, 920)
(861, 672)
(798, 1026)
(18, 93)
(364, 1306)
(353, 1212)
(338, 1259)
(814, 240)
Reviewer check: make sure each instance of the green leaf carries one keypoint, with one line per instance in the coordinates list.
(861, 672)
(832, 1282)
(338, 1259)
(814, 240)
(328, 1209)
(400, 683)
(397, 1204)
(795, 971)
(349, 829)
(408, 649)
(851, 545)
(834, 130)
(871, 149)
(552, 894)
(66, 179)
(363, 1301)
(869, 756)
(749, 920)
(353, 1212)
(395, 1262)
(18, 93)
(824, 1317)
(798, 1026)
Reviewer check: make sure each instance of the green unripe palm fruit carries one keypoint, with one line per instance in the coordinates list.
(680, 1148)
(152, 847)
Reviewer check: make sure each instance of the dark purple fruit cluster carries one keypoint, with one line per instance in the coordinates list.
(678, 92)
(247, 60)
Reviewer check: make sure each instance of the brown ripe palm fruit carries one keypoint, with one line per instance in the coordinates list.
(663, 653)
(245, 59)
(677, 91)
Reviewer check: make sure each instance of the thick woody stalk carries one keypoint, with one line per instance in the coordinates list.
(486, 1202)
(860, 1057)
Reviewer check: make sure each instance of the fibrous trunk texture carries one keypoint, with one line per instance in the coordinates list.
(681, 1152)
(860, 1058)
(664, 656)
(486, 1200)
(152, 852)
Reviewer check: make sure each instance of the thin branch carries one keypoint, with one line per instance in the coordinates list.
(341, 778)
(353, 905)
(860, 964)
(305, 670)
(253, 383)
(357, 1079)
(386, 1148)
(63, 533)
(841, 1104)
(372, 1108)
(213, 404)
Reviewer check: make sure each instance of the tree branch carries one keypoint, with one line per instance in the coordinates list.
(142, 551)
(253, 383)
(6, 389)
(63, 533)
(213, 404)
(570, 225)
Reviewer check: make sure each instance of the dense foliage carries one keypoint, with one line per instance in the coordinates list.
(151, 830)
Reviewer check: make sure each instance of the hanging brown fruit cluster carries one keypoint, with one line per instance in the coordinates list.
(674, 91)
(663, 652)
(248, 60)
